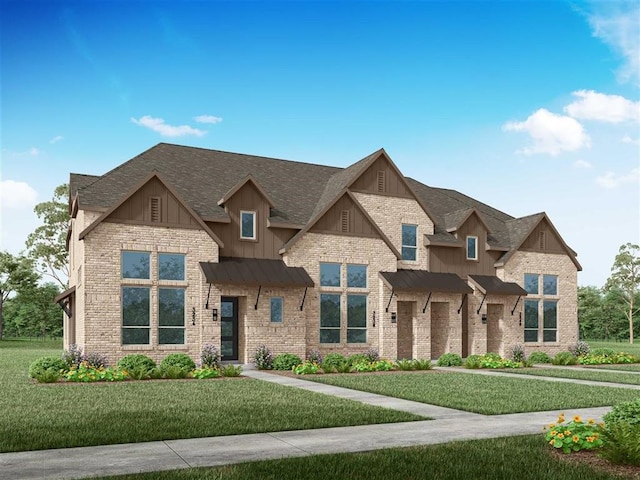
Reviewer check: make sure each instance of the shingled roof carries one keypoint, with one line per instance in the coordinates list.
(300, 192)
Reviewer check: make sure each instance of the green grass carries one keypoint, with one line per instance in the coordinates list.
(633, 349)
(489, 395)
(42, 416)
(613, 377)
(622, 368)
(521, 458)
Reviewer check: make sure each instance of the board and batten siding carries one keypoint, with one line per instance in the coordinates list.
(381, 178)
(543, 239)
(344, 217)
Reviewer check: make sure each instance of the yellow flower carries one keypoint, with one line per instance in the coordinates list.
(567, 433)
(560, 436)
(553, 433)
(552, 442)
(577, 419)
(590, 439)
(551, 425)
(575, 438)
(591, 421)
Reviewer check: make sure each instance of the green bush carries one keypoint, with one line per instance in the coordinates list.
(473, 361)
(422, 364)
(450, 360)
(622, 443)
(404, 364)
(177, 361)
(580, 349)
(306, 368)
(603, 352)
(286, 361)
(231, 371)
(518, 354)
(47, 369)
(539, 357)
(565, 358)
(627, 412)
(357, 358)
(332, 361)
(137, 365)
(263, 358)
(343, 367)
(205, 372)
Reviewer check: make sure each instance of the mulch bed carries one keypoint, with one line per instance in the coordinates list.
(591, 458)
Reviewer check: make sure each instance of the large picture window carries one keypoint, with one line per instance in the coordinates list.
(135, 315)
(531, 320)
(136, 265)
(541, 306)
(409, 242)
(170, 266)
(170, 316)
(330, 318)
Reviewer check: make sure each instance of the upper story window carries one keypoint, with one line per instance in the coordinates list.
(356, 276)
(409, 242)
(136, 265)
(329, 274)
(472, 248)
(550, 284)
(531, 283)
(170, 266)
(247, 225)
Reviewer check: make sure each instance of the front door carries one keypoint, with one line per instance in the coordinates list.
(229, 328)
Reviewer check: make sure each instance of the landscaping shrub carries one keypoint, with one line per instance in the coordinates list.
(177, 365)
(47, 369)
(517, 353)
(627, 412)
(575, 435)
(205, 372)
(231, 371)
(603, 352)
(343, 367)
(422, 364)
(138, 366)
(565, 358)
(88, 373)
(73, 357)
(473, 361)
(286, 361)
(306, 368)
(357, 358)
(314, 356)
(210, 356)
(263, 358)
(372, 355)
(332, 361)
(580, 349)
(539, 357)
(96, 360)
(622, 433)
(450, 360)
(404, 364)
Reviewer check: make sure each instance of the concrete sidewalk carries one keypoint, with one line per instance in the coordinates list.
(448, 425)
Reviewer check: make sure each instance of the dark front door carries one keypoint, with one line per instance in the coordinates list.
(229, 328)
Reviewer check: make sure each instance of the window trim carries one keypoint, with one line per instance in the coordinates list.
(475, 238)
(255, 233)
(403, 246)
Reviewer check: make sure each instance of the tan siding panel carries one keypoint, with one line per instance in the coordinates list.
(368, 181)
(331, 221)
(552, 242)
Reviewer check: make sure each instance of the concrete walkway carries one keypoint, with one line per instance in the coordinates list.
(448, 425)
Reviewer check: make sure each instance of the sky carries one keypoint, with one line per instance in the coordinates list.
(528, 106)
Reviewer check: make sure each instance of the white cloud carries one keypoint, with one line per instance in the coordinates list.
(56, 139)
(166, 130)
(618, 25)
(611, 180)
(632, 141)
(606, 108)
(34, 152)
(17, 195)
(207, 119)
(582, 164)
(551, 133)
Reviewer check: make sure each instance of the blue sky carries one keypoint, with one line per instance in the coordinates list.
(528, 106)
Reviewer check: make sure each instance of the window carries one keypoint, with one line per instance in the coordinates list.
(472, 248)
(356, 318)
(550, 321)
(136, 265)
(531, 320)
(247, 225)
(170, 266)
(329, 274)
(356, 276)
(330, 318)
(550, 284)
(531, 283)
(276, 309)
(409, 242)
(135, 315)
(171, 316)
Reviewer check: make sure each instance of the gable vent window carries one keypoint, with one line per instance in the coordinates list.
(344, 221)
(542, 240)
(155, 209)
(381, 181)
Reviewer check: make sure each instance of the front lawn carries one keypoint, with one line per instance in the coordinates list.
(521, 458)
(623, 368)
(580, 374)
(489, 395)
(42, 416)
(626, 347)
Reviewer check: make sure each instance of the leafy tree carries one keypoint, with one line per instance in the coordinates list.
(625, 278)
(16, 275)
(590, 313)
(46, 245)
(33, 313)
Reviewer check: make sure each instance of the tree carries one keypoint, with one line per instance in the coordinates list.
(33, 313)
(625, 278)
(16, 275)
(46, 245)
(590, 312)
